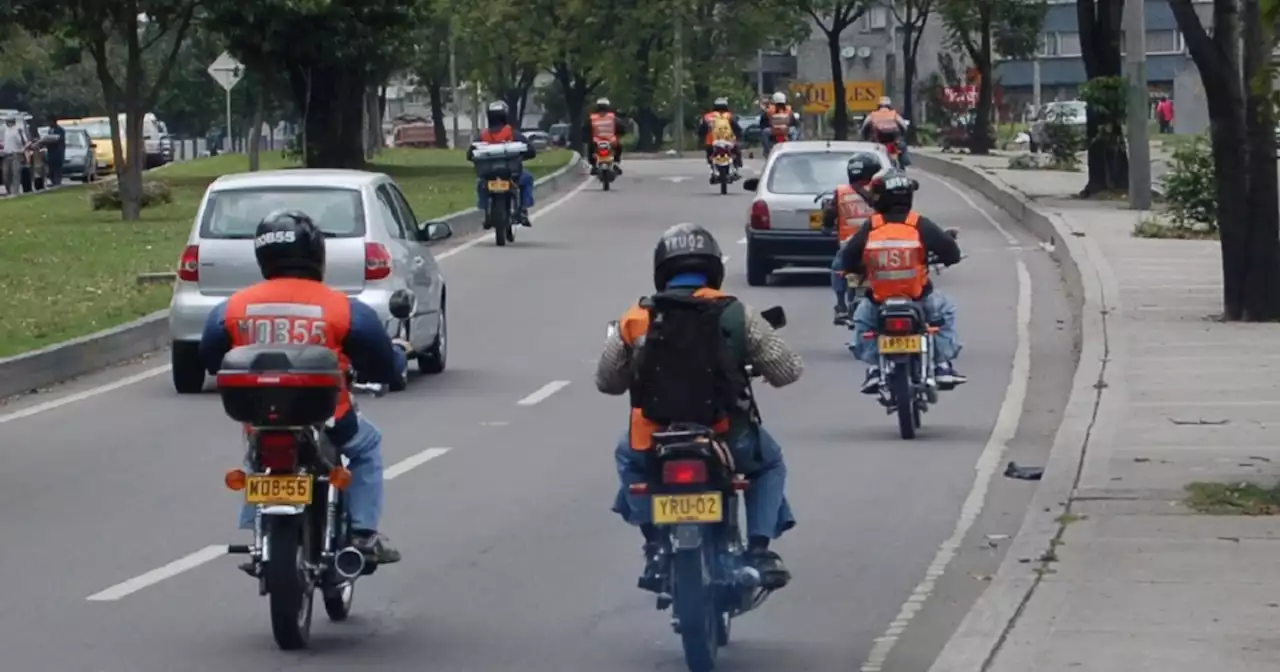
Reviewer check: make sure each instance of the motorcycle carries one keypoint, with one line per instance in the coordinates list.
(906, 343)
(722, 163)
(606, 169)
(296, 480)
(500, 165)
(695, 493)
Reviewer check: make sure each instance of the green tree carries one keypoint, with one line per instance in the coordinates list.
(984, 28)
(48, 77)
(912, 15)
(833, 17)
(505, 41)
(136, 27)
(430, 62)
(1099, 22)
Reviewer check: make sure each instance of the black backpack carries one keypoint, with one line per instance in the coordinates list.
(684, 371)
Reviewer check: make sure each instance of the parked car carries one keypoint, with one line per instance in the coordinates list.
(784, 227)
(375, 245)
(559, 134)
(539, 139)
(77, 160)
(1070, 112)
(99, 129)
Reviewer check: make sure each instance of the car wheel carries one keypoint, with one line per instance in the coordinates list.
(187, 369)
(436, 357)
(758, 269)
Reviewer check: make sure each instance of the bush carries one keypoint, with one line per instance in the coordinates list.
(1189, 187)
(106, 196)
(1062, 140)
(926, 135)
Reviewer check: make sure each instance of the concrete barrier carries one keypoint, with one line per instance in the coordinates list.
(56, 363)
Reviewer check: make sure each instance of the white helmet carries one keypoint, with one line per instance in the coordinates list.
(602, 102)
(885, 102)
(779, 98)
(498, 106)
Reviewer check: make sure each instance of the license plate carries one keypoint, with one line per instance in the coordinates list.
(815, 220)
(499, 185)
(852, 281)
(899, 345)
(721, 160)
(278, 490)
(705, 507)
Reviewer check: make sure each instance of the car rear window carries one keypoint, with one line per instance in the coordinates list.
(75, 140)
(235, 213)
(808, 172)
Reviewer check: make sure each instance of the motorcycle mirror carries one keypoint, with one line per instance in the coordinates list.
(954, 233)
(611, 329)
(775, 316)
(751, 184)
(402, 304)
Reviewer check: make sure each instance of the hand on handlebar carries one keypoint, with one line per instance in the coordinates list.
(404, 345)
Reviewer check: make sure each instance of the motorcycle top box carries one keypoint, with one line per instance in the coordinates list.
(499, 159)
(280, 385)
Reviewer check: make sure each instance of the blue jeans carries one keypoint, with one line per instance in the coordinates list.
(526, 192)
(768, 513)
(902, 153)
(936, 306)
(838, 284)
(364, 495)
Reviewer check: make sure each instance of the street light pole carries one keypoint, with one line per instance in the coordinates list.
(1135, 31)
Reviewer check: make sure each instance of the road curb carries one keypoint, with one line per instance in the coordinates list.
(1092, 289)
(31, 371)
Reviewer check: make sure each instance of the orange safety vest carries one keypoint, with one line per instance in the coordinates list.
(292, 311)
(504, 134)
(711, 118)
(884, 120)
(851, 212)
(632, 327)
(604, 126)
(895, 258)
(780, 121)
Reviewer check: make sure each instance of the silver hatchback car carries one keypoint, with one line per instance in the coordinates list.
(785, 223)
(374, 247)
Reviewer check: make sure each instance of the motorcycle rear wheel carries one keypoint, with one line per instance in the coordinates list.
(288, 590)
(905, 400)
(500, 218)
(696, 608)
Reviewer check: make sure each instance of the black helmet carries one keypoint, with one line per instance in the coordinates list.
(288, 244)
(863, 166)
(721, 104)
(893, 191)
(687, 248)
(497, 113)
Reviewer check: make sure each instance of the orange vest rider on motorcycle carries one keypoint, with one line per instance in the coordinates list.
(604, 126)
(721, 125)
(845, 213)
(291, 307)
(892, 252)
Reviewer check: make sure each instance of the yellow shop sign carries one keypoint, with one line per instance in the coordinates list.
(820, 96)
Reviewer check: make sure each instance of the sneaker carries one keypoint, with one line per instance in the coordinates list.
(841, 316)
(773, 574)
(617, 169)
(652, 579)
(595, 170)
(375, 547)
(946, 375)
(871, 384)
(522, 218)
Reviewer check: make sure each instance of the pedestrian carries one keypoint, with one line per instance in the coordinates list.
(15, 143)
(1164, 114)
(57, 150)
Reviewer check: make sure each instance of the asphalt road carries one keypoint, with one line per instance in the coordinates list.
(513, 560)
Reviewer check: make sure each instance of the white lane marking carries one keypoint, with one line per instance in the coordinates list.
(412, 462)
(724, 258)
(543, 392)
(533, 217)
(200, 557)
(676, 179)
(151, 373)
(985, 215)
(988, 464)
(742, 241)
(82, 395)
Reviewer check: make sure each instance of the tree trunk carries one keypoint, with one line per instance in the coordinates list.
(435, 91)
(335, 130)
(255, 127)
(1260, 281)
(910, 51)
(1099, 22)
(575, 86)
(840, 120)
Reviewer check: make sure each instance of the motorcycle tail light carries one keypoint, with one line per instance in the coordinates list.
(898, 325)
(684, 472)
(277, 451)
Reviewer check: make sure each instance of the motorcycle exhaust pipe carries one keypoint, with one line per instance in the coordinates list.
(349, 562)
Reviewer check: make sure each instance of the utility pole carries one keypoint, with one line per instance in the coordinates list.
(455, 101)
(759, 73)
(679, 42)
(1135, 31)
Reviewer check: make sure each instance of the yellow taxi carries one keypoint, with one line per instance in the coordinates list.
(99, 130)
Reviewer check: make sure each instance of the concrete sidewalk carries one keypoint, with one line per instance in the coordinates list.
(1110, 572)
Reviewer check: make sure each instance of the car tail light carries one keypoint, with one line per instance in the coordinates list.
(277, 451)
(898, 325)
(684, 472)
(377, 261)
(760, 216)
(189, 264)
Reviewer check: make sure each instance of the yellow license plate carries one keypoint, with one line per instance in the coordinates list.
(899, 345)
(704, 507)
(721, 160)
(815, 220)
(852, 281)
(499, 185)
(278, 489)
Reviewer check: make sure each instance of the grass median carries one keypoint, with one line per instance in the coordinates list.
(67, 271)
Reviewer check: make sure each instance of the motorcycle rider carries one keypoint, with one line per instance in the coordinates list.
(499, 131)
(885, 119)
(778, 119)
(844, 214)
(605, 126)
(688, 263)
(290, 250)
(896, 226)
(721, 124)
